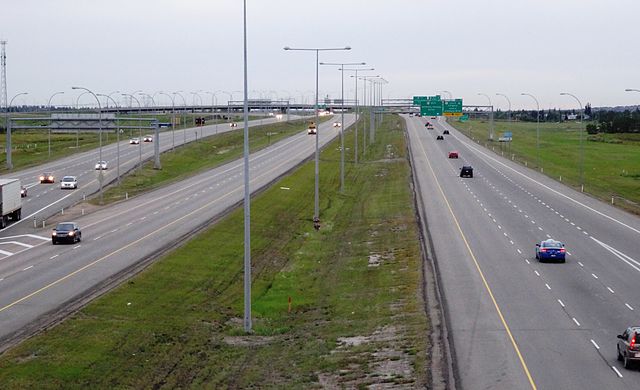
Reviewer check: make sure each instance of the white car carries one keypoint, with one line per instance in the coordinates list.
(101, 165)
(147, 138)
(311, 131)
(233, 124)
(134, 141)
(70, 182)
(337, 124)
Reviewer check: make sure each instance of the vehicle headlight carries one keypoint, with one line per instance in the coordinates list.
(71, 233)
(41, 178)
(53, 233)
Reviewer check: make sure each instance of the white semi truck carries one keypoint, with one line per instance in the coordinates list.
(10, 201)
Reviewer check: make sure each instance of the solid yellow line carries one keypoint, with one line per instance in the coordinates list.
(484, 280)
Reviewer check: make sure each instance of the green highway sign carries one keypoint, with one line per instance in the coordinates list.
(417, 100)
(431, 110)
(453, 106)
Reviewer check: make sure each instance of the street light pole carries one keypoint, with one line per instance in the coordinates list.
(491, 118)
(184, 101)
(140, 130)
(8, 126)
(342, 115)
(364, 125)
(581, 164)
(117, 134)
(356, 70)
(49, 107)
(247, 192)
(537, 127)
(316, 216)
(173, 117)
(100, 174)
(509, 102)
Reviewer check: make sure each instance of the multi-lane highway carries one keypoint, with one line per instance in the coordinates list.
(41, 277)
(516, 323)
(47, 199)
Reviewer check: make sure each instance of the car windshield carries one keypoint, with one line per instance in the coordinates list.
(551, 244)
(67, 178)
(65, 227)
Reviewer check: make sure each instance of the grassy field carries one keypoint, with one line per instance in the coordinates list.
(611, 161)
(31, 147)
(357, 317)
(188, 160)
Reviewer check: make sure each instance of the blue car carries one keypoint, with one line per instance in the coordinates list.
(550, 250)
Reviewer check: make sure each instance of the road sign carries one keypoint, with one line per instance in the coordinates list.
(431, 110)
(453, 106)
(417, 100)
(463, 117)
(452, 114)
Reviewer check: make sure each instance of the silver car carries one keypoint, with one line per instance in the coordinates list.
(69, 182)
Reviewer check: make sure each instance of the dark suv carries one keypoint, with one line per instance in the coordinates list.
(466, 171)
(629, 346)
(66, 231)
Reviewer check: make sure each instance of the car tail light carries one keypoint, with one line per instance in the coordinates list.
(562, 250)
(543, 249)
(632, 343)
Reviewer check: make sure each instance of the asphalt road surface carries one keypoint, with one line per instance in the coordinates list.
(44, 200)
(37, 279)
(517, 323)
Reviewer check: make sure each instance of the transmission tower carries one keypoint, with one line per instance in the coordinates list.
(3, 78)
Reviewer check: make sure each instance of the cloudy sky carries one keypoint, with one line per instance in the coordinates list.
(586, 47)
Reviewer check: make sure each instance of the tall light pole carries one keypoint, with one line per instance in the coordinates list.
(8, 126)
(356, 70)
(364, 98)
(342, 65)
(153, 102)
(139, 128)
(49, 107)
(537, 127)
(195, 93)
(117, 134)
(316, 216)
(173, 118)
(184, 101)
(491, 118)
(247, 192)
(100, 174)
(509, 102)
(581, 163)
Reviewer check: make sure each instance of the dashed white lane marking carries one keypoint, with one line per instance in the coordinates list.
(628, 306)
(77, 246)
(519, 251)
(576, 321)
(585, 233)
(155, 212)
(511, 242)
(594, 276)
(548, 287)
(114, 230)
(539, 228)
(29, 267)
(536, 272)
(572, 223)
(548, 236)
(53, 257)
(129, 224)
(569, 253)
(578, 227)
(560, 302)
(505, 234)
(616, 371)
(610, 290)
(499, 227)
(97, 238)
(527, 260)
(580, 264)
(594, 344)
(143, 218)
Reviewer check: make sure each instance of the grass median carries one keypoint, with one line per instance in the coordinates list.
(356, 318)
(611, 161)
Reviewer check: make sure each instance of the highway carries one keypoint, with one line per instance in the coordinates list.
(515, 323)
(36, 282)
(44, 200)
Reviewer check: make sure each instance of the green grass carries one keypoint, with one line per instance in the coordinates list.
(611, 161)
(178, 323)
(188, 160)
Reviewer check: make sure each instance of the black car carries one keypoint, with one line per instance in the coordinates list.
(466, 171)
(66, 231)
(427, 124)
(439, 138)
(445, 132)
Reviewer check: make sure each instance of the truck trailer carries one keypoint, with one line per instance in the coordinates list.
(10, 201)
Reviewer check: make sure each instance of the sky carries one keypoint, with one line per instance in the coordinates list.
(422, 47)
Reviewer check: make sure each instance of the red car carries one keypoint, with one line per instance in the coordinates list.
(453, 154)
